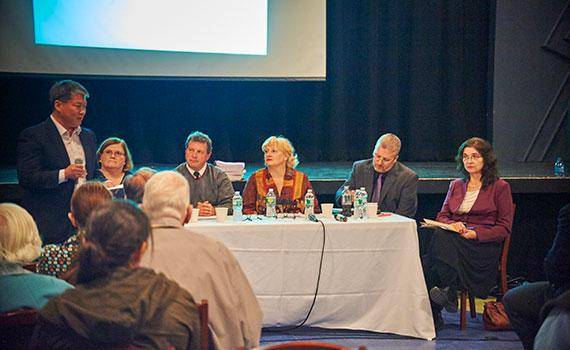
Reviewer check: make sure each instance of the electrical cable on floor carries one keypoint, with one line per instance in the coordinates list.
(287, 329)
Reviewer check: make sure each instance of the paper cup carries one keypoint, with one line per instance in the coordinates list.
(195, 214)
(327, 209)
(372, 209)
(221, 214)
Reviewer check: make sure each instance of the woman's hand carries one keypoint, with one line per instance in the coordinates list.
(469, 234)
(459, 227)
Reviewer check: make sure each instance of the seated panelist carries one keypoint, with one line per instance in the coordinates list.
(288, 184)
(480, 208)
(115, 162)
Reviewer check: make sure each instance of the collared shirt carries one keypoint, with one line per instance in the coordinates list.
(73, 146)
(201, 171)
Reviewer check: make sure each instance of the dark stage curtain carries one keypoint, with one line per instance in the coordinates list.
(419, 69)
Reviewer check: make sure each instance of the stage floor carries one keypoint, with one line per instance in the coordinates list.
(328, 177)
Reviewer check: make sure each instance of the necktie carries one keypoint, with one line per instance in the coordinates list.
(196, 175)
(377, 189)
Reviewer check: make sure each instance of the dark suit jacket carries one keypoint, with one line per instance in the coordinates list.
(399, 192)
(556, 266)
(40, 155)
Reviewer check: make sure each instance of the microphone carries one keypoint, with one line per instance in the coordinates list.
(79, 161)
(340, 217)
(313, 218)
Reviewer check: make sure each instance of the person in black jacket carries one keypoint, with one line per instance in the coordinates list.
(55, 156)
(524, 304)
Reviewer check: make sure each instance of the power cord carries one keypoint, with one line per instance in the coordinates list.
(287, 329)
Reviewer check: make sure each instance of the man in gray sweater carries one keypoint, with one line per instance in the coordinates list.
(210, 187)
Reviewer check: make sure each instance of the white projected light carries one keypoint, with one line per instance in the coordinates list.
(208, 26)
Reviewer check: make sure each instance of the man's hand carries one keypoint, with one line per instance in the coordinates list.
(206, 209)
(74, 171)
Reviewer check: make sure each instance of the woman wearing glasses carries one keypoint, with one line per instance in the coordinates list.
(479, 208)
(288, 184)
(115, 164)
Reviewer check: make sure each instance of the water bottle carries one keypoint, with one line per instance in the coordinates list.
(559, 167)
(356, 210)
(364, 201)
(346, 201)
(270, 204)
(309, 203)
(237, 204)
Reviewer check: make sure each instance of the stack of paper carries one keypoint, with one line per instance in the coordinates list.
(434, 224)
(235, 170)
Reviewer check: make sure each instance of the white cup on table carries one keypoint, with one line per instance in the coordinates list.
(195, 214)
(221, 214)
(327, 209)
(372, 209)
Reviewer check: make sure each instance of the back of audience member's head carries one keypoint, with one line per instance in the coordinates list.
(20, 242)
(134, 184)
(166, 194)
(115, 236)
(85, 199)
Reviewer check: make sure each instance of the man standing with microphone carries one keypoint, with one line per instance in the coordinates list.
(54, 157)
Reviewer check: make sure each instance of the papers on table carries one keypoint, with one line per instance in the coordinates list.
(436, 224)
(234, 170)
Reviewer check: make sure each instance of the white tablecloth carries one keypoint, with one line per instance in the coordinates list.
(371, 276)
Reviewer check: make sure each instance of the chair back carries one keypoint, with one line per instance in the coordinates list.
(504, 257)
(204, 329)
(19, 325)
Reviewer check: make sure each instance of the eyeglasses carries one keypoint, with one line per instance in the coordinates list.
(115, 153)
(471, 157)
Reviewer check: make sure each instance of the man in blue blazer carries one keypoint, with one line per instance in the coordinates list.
(388, 182)
(55, 156)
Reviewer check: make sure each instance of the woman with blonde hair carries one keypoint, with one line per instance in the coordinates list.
(21, 244)
(289, 185)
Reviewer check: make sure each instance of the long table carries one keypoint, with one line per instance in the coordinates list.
(371, 275)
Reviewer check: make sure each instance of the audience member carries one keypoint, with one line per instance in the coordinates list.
(116, 302)
(134, 184)
(56, 259)
(524, 303)
(20, 244)
(289, 185)
(116, 164)
(210, 186)
(202, 265)
(54, 157)
(479, 207)
(388, 182)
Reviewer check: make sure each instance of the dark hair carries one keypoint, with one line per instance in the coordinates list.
(86, 198)
(64, 90)
(114, 141)
(489, 173)
(134, 184)
(198, 136)
(114, 232)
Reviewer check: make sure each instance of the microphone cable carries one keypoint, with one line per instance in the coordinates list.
(313, 218)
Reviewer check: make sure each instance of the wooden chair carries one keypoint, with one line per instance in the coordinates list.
(308, 345)
(19, 325)
(503, 275)
(204, 330)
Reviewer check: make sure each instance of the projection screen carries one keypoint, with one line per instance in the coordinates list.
(284, 39)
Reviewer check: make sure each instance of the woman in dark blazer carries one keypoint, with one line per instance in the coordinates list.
(479, 207)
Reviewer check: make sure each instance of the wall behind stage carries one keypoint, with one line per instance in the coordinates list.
(418, 69)
(531, 80)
